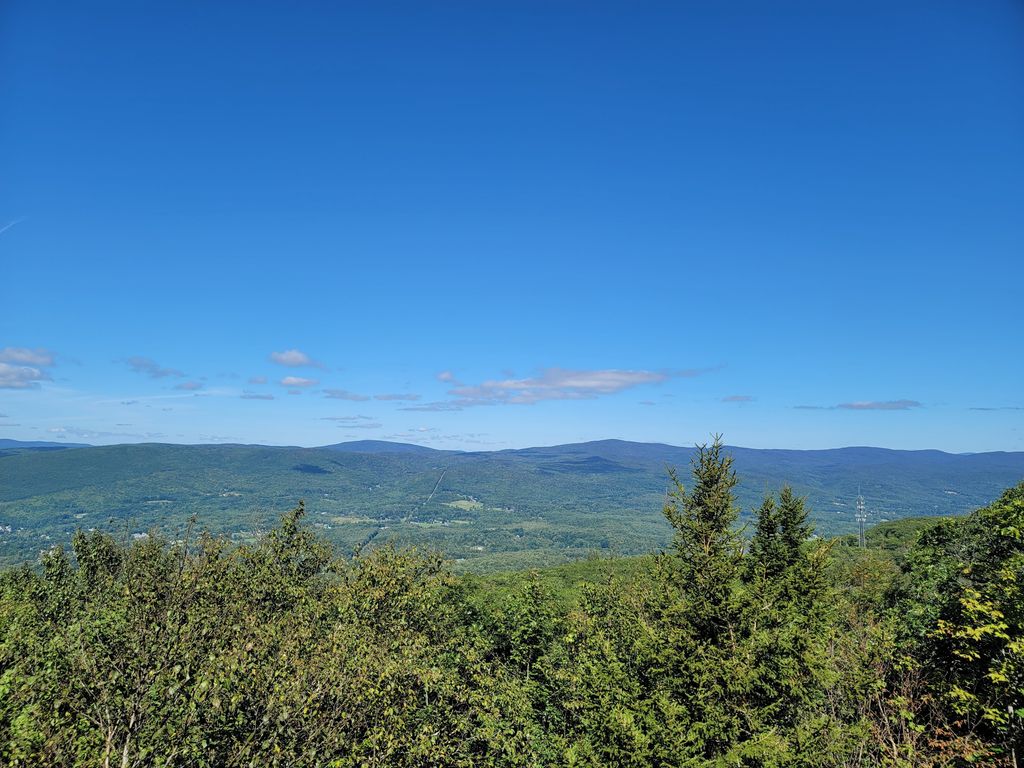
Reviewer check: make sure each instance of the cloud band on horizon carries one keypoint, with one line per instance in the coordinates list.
(865, 405)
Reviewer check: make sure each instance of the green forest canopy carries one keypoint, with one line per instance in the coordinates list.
(777, 650)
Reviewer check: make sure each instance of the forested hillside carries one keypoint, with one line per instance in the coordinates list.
(487, 511)
(778, 651)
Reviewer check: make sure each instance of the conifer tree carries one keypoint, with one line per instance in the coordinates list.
(707, 546)
(765, 558)
(794, 530)
(701, 637)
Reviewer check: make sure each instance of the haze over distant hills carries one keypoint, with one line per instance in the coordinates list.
(382, 446)
(489, 509)
(6, 444)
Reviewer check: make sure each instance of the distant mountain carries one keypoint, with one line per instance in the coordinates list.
(490, 509)
(381, 446)
(6, 444)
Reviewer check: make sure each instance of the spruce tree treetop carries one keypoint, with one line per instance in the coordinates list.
(706, 542)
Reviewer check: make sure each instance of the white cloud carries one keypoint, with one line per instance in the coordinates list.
(407, 397)
(151, 368)
(256, 396)
(883, 405)
(865, 405)
(298, 381)
(24, 356)
(190, 386)
(257, 379)
(553, 384)
(557, 384)
(344, 394)
(433, 435)
(294, 358)
(22, 368)
(442, 406)
(354, 422)
(21, 376)
(88, 434)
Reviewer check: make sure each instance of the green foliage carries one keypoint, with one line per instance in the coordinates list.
(784, 650)
(705, 541)
(963, 602)
(199, 653)
(492, 511)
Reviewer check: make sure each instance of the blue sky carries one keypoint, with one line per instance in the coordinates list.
(798, 224)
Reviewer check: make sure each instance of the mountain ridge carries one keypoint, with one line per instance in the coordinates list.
(391, 446)
(489, 509)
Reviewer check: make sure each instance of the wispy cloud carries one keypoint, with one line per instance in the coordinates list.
(257, 379)
(10, 224)
(433, 435)
(23, 368)
(557, 384)
(190, 386)
(354, 422)
(448, 377)
(24, 356)
(91, 434)
(21, 376)
(406, 397)
(150, 367)
(880, 405)
(998, 408)
(298, 382)
(440, 407)
(256, 396)
(554, 384)
(866, 405)
(738, 399)
(344, 394)
(295, 358)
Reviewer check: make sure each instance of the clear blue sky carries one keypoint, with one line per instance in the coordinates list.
(799, 224)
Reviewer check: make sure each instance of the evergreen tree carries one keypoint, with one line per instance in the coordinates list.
(765, 557)
(707, 546)
(794, 530)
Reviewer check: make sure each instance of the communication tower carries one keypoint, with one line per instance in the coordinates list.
(862, 517)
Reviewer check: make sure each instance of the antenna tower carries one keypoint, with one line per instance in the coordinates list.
(862, 517)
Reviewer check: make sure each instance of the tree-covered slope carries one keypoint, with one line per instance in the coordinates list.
(490, 510)
(773, 651)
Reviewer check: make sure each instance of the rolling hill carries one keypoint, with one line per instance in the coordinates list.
(488, 510)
